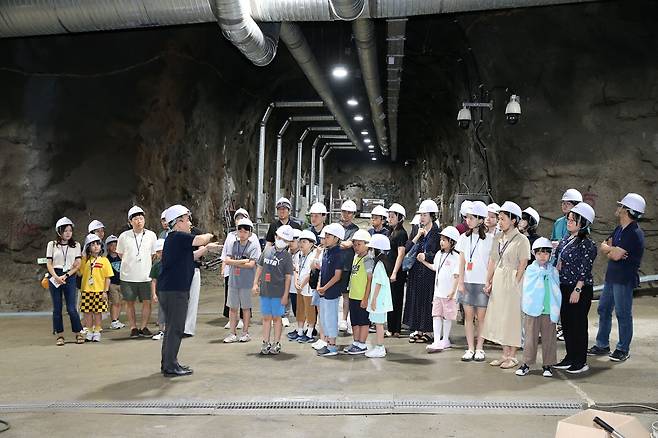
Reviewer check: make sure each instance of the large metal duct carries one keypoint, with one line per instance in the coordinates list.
(395, 37)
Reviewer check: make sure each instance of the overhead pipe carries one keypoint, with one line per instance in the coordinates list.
(395, 37)
(328, 147)
(261, 144)
(365, 40)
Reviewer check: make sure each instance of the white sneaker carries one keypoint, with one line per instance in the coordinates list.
(230, 339)
(114, 325)
(84, 331)
(342, 325)
(245, 337)
(319, 344)
(433, 348)
(159, 335)
(228, 325)
(479, 356)
(349, 330)
(89, 336)
(96, 337)
(240, 325)
(378, 351)
(285, 321)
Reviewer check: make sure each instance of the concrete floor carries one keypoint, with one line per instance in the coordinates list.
(121, 369)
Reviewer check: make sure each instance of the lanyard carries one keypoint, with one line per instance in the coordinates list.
(502, 251)
(244, 250)
(65, 254)
(473, 248)
(91, 266)
(436, 278)
(138, 245)
(571, 240)
(359, 261)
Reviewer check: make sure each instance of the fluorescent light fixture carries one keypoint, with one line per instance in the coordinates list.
(374, 158)
(366, 140)
(364, 132)
(339, 72)
(358, 118)
(352, 102)
(371, 146)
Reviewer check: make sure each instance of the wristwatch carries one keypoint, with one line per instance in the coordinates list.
(577, 289)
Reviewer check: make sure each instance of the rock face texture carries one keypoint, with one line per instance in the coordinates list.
(91, 124)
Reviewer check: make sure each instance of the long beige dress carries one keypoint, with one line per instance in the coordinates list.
(503, 322)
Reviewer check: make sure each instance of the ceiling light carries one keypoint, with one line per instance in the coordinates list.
(358, 118)
(371, 146)
(339, 72)
(366, 140)
(364, 132)
(374, 158)
(352, 102)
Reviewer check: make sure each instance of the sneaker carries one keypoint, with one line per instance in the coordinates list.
(293, 335)
(468, 356)
(84, 331)
(319, 344)
(372, 329)
(276, 348)
(376, 352)
(619, 356)
(434, 347)
(547, 372)
(265, 348)
(89, 336)
(349, 330)
(346, 349)
(115, 325)
(303, 339)
(134, 333)
(387, 334)
(575, 369)
(231, 338)
(328, 351)
(245, 337)
(228, 325)
(598, 351)
(479, 356)
(145, 332)
(355, 349)
(285, 322)
(240, 325)
(159, 335)
(560, 335)
(523, 370)
(96, 337)
(564, 364)
(445, 344)
(342, 325)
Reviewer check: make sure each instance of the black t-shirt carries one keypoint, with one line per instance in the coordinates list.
(348, 254)
(398, 238)
(271, 231)
(115, 261)
(177, 262)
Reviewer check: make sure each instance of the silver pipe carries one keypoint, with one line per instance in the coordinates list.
(313, 195)
(347, 9)
(395, 36)
(328, 147)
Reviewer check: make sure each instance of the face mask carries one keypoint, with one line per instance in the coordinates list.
(280, 244)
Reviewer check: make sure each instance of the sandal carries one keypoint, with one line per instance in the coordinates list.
(425, 339)
(60, 341)
(512, 362)
(415, 338)
(79, 338)
(497, 362)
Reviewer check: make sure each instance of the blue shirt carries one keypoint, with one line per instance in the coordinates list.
(624, 271)
(559, 229)
(577, 258)
(177, 262)
(332, 261)
(116, 268)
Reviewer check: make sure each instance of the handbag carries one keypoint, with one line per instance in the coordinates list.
(313, 278)
(410, 258)
(45, 281)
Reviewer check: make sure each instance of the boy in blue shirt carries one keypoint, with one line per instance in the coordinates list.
(329, 286)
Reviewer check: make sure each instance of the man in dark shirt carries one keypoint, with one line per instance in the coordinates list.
(283, 208)
(175, 281)
(347, 212)
(624, 249)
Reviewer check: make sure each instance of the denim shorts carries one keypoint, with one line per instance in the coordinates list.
(271, 306)
(329, 317)
(315, 301)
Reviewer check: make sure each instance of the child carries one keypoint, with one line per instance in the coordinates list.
(292, 305)
(115, 283)
(314, 279)
(444, 305)
(96, 272)
(380, 301)
(329, 286)
(540, 303)
(241, 259)
(273, 276)
(155, 273)
(305, 312)
(360, 279)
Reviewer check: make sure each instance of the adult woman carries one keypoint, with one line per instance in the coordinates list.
(575, 256)
(420, 286)
(63, 255)
(491, 221)
(509, 256)
(398, 238)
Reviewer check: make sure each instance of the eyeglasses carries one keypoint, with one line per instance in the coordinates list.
(244, 228)
(543, 251)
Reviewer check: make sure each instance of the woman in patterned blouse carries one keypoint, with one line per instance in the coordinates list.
(575, 257)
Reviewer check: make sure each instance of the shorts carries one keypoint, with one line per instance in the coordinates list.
(315, 301)
(115, 294)
(377, 317)
(358, 316)
(329, 317)
(271, 306)
(92, 302)
(134, 290)
(239, 298)
(444, 308)
(474, 295)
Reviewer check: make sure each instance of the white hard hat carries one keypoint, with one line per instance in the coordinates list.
(308, 235)
(285, 232)
(451, 233)
(322, 234)
(379, 241)
(245, 222)
(533, 214)
(158, 245)
(493, 208)
(416, 220)
(175, 211)
(318, 208)
(464, 207)
(335, 230)
(296, 233)
(542, 242)
(348, 205)
(361, 235)
(379, 211)
(585, 210)
(477, 208)
(135, 210)
(90, 238)
(634, 202)
(95, 225)
(397, 208)
(284, 202)
(572, 195)
(163, 214)
(241, 211)
(111, 238)
(428, 206)
(63, 221)
(511, 207)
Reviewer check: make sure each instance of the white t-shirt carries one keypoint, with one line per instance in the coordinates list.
(305, 265)
(63, 256)
(446, 266)
(295, 268)
(136, 251)
(475, 251)
(228, 243)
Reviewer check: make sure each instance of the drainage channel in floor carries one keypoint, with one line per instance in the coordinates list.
(302, 406)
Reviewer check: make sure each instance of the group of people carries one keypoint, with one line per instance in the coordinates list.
(513, 285)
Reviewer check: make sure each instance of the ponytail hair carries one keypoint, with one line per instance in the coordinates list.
(381, 257)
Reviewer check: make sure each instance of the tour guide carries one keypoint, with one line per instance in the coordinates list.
(174, 283)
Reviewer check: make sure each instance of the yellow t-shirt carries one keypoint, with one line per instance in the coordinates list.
(102, 269)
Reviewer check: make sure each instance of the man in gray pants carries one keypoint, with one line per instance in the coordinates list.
(174, 283)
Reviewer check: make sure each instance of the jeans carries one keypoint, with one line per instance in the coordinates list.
(329, 317)
(574, 323)
(619, 297)
(68, 292)
(175, 305)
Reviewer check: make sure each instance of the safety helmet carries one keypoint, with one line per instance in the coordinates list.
(463, 209)
(512, 208)
(318, 208)
(111, 238)
(493, 208)
(451, 233)
(285, 232)
(296, 233)
(134, 211)
(362, 235)
(95, 225)
(379, 241)
(308, 235)
(284, 202)
(241, 211)
(533, 214)
(62, 222)
(335, 230)
(89, 239)
(635, 202)
(572, 195)
(542, 242)
(175, 211)
(584, 210)
(428, 206)
(379, 211)
(245, 222)
(397, 208)
(348, 205)
(477, 208)
(415, 220)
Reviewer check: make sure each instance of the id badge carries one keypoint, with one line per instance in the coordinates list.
(268, 277)
(469, 266)
(91, 281)
(237, 272)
